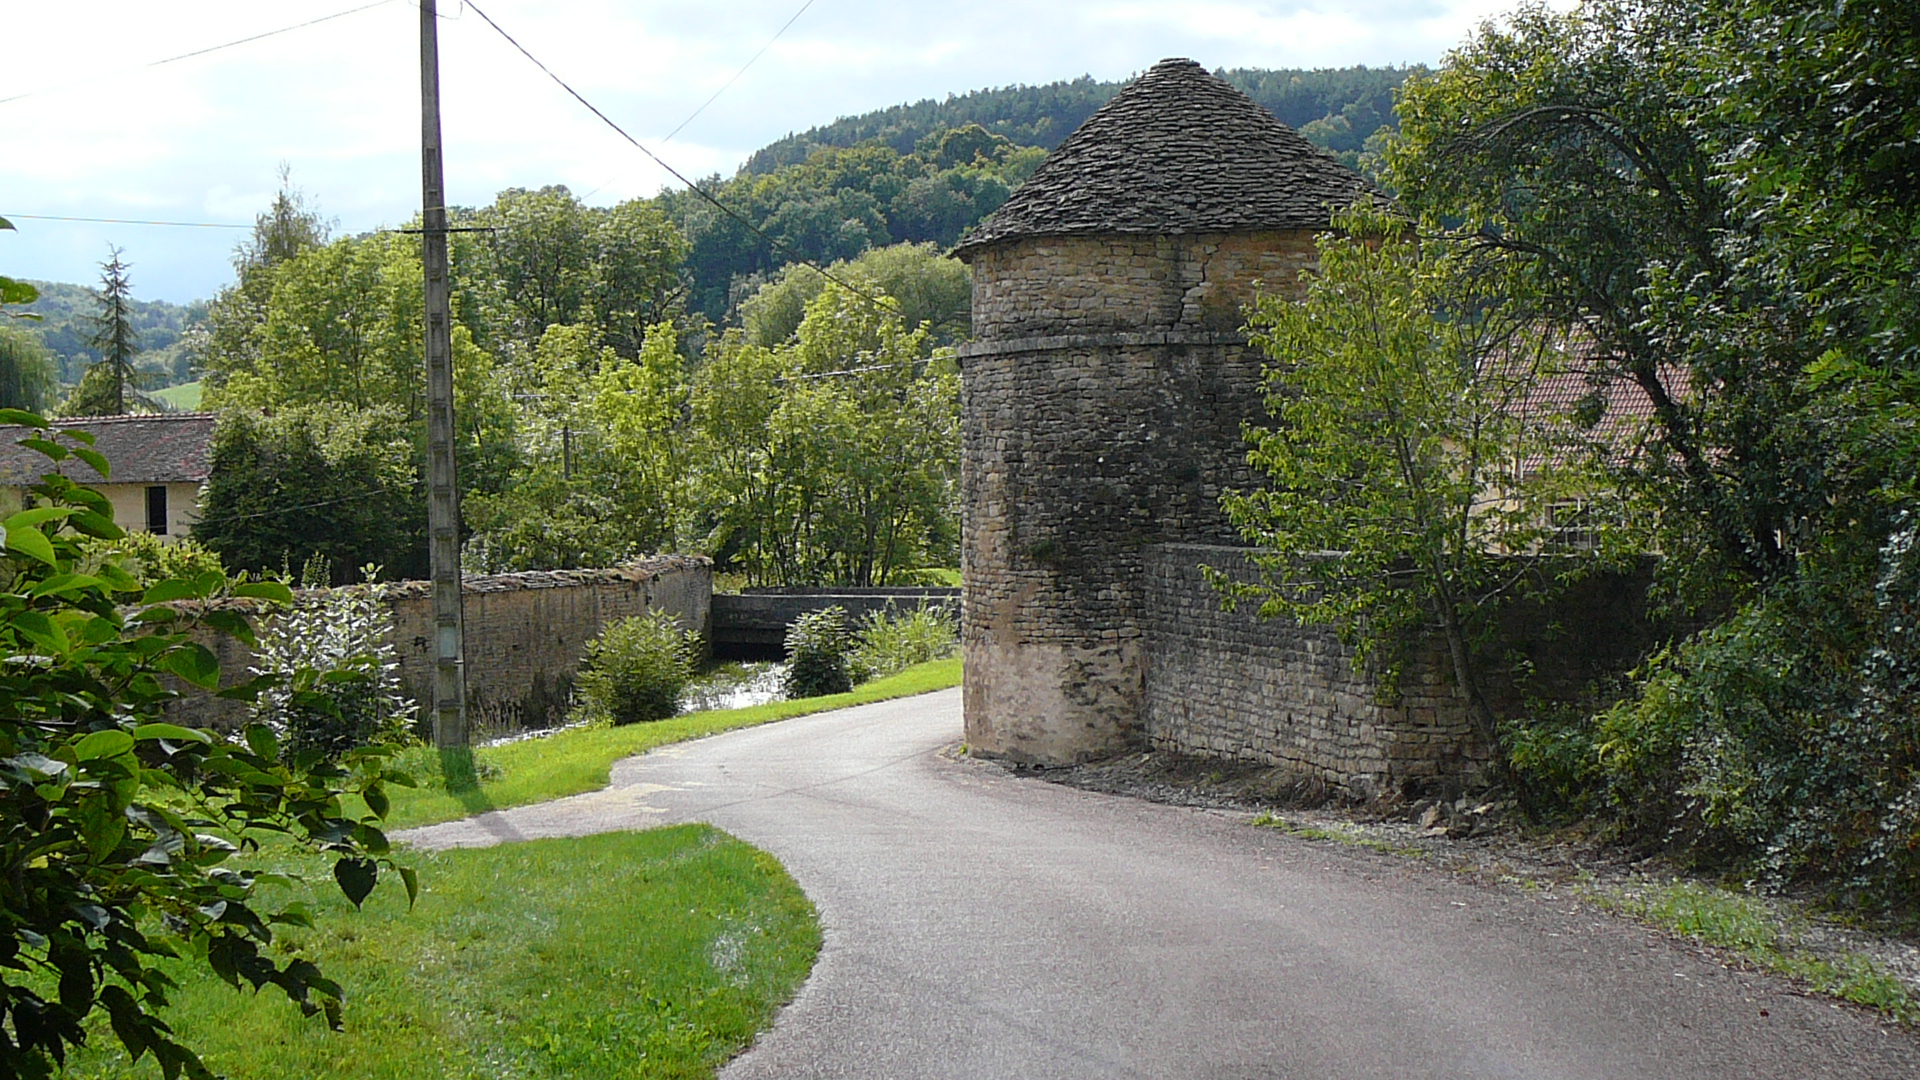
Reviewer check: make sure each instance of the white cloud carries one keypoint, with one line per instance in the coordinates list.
(201, 139)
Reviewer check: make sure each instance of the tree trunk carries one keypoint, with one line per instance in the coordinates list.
(1468, 685)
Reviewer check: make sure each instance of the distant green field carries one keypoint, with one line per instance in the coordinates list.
(185, 397)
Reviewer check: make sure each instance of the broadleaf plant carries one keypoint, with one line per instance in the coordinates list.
(124, 835)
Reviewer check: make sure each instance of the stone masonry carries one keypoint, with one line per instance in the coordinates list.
(525, 636)
(1103, 398)
(1102, 407)
(1229, 684)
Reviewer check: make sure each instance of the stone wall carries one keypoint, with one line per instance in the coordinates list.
(754, 623)
(525, 636)
(1127, 281)
(1113, 424)
(1231, 685)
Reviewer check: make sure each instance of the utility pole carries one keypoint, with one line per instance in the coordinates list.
(443, 497)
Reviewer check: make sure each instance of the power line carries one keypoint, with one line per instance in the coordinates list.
(724, 86)
(743, 70)
(130, 221)
(213, 48)
(219, 224)
(691, 186)
(280, 510)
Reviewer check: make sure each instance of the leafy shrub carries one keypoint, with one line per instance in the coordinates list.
(1784, 742)
(315, 479)
(151, 559)
(636, 669)
(817, 648)
(890, 641)
(120, 829)
(340, 676)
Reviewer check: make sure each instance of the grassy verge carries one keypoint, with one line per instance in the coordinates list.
(1334, 834)
(651, 954)
(1763, 935)
(578, 760)
(1774, 936)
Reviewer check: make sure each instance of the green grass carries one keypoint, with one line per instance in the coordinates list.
(185, 397)
(579, 759)
(1763, 936)
(640, 954)
(650, 954)
(1336, 835)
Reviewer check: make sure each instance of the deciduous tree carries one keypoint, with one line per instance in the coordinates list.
(1414, 470)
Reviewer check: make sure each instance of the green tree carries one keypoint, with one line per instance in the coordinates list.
(1580, 148)
(26, 370)
(831, 460)
(285, 229)
(928, 288)
(127, 836)
(603, 445)
(101, 393)
(1723, 197)
(1402, 388)
(228, 341)
(317, 481)
(553, 261)
(340, 322)
(114, 336)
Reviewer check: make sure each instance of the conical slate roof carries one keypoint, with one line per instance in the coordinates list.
(1178, 150)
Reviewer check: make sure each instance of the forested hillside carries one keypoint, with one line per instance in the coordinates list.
(1338, 108)
(63, 329)
(927, 172)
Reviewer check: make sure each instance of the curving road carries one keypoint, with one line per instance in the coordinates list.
(984, 926)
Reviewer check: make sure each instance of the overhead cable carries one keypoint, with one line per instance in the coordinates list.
(723, 87)
(217, 48)
(677, 175)
(743, 70)
(131, 221)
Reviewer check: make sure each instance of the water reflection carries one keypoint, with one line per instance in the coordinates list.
(734, 686)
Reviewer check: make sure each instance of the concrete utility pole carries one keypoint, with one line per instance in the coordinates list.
(443, 496)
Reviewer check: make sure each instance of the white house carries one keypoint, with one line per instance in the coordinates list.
(157, 465)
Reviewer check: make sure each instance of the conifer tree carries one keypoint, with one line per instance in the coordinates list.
(118, 342)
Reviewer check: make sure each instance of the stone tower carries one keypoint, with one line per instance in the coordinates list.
(1103, 397)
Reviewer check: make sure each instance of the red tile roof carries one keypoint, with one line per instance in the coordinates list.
(1586, 384)
(159, 448)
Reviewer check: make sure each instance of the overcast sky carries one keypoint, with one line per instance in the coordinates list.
(102, 134)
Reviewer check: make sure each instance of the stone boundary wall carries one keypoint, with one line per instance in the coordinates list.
(525, 636)
(756, 620)
(1230, 685)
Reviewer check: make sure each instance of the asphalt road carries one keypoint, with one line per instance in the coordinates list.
(982, 925)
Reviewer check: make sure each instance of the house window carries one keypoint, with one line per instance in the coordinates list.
(157, 509)
(1574, 528)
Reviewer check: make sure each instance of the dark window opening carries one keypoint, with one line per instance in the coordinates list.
(157, 509)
